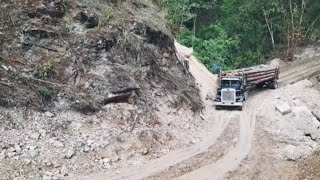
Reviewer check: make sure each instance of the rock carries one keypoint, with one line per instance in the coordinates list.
(47, 163)
(276, 62)
(3, 155)
(86, 149)
(90, 142)
(115, 158)
(27, 161)
(166, 55)
(48, 173)
(70, 153)
(49, 114)
(81, 17)
(93, 21)
(297, 102)
(106, 161)
(315, 146)
(33, 153)
(314, 136)
(11, 149)
(56, 164)
(292, 153)
(5, 67)
(64, 170)
(35, 136)
(17, 149)
(145, 151)
(11, 154)
(46, 177)
(305, 121)
(58, 144)
(283, 108)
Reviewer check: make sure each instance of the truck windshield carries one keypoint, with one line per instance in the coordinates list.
(230, 83)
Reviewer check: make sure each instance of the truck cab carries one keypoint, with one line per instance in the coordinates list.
(231, 92)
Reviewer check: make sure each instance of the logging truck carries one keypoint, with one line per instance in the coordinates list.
(234, 86)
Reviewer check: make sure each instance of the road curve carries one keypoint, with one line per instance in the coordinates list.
(233, 158)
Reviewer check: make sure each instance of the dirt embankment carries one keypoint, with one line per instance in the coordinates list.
(90, 87)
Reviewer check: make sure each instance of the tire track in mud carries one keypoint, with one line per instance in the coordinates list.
(216, 151)
(234, 157)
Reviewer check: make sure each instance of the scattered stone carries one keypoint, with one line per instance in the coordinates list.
(3, 155)
(106, 161)
(115, 158)
(64, 170)
(46, 177)
(92, 21)
(297, 102)
(166, 55)
(5, 67)
(35, 136)
(47, 163)
(276, 62)
(283, 108)
(49, 114)
(56, 164)
(33, 153)
(306, 122)
(17, 149)
(27, 161)
(81, 17)
(58, 144)
(90, 142)
(48, 173)
(70, 153)
(86, 149)
(145, 151)
(292, 153)
(11, 149)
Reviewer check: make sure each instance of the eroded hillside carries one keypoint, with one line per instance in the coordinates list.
(90, 85)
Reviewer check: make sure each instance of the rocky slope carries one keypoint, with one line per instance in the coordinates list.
(89, 86)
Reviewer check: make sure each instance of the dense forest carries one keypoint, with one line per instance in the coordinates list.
(232, 34)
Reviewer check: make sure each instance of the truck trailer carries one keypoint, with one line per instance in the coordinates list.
(234, 86)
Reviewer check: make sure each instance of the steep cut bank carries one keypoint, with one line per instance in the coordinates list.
(90, 86)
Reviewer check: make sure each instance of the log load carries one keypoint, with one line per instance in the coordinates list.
(254, 75)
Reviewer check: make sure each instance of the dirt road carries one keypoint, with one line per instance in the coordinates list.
(184, 163)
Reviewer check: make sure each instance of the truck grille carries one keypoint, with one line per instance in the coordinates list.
(228, 95)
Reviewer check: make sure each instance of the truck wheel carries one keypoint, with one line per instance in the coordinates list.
(218, 107)
(274, 85)
(240, 108)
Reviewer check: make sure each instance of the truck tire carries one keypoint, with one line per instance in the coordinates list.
(274, 85)
(218, 107)
(240, 108)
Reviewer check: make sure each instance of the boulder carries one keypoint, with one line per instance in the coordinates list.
(304, 121)
(49, 114)
(283, 107)
(33, 153)
(292, 153)
(70, 153)
(64, 170)
(276, 62)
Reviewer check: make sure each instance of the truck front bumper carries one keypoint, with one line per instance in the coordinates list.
(228, 103)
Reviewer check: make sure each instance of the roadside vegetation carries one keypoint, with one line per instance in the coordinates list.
(232, 34)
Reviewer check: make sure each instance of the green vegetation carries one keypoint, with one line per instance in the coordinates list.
(234, 34)
(47, 70)
(44, 92)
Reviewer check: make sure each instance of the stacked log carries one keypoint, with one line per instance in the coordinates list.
(254, 75)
